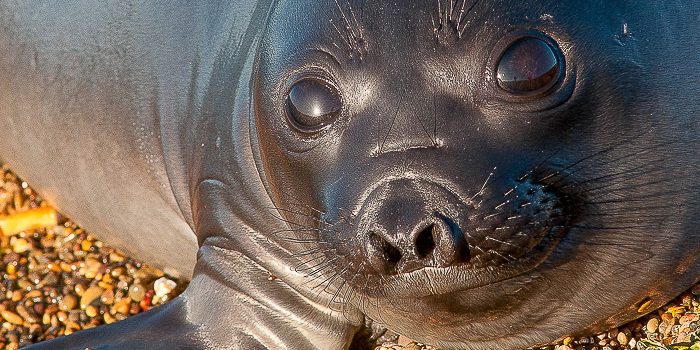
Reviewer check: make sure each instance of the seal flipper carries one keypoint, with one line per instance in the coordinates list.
(227, 287)
(266, 309)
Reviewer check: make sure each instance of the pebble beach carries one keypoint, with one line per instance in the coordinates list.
(58, 279)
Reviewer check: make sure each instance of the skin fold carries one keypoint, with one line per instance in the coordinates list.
(330, 162)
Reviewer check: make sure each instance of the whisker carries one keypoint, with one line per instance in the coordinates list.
(464, 26)
(391, 126)
(302, 263)
(502, 242)
(313, 217)
(307, 252)
(300, 202)
(290, 222)
(298, 240)
(483, 187)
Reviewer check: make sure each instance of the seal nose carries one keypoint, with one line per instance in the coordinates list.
(406, 237)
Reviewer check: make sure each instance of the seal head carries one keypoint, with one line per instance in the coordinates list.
(454, 169)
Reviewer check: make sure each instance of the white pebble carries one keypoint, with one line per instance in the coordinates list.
(163, 286)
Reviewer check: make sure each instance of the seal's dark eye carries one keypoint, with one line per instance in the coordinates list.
(312, 104)
(529, 66)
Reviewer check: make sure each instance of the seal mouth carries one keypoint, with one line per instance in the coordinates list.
(417, 232)
(444, 280)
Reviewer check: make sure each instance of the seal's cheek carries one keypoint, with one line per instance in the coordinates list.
(300, 114)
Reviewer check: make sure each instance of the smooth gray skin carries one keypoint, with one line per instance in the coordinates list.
(100, 108)
(84, 120)
(176, 107)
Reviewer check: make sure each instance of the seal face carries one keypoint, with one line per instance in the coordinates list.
(455, 170)
(472, 174)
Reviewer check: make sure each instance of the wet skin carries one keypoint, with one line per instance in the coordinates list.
(487, 175)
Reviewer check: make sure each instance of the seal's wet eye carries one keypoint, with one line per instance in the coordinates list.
(312, 104)
(529, 66)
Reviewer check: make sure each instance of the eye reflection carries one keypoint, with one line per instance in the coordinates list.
(529, 66)
(312, 104)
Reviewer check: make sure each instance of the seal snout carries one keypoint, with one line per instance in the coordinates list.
(405, 231)
(408, 224)
(435, 243)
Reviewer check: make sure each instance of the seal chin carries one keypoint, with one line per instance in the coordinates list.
(418, 232)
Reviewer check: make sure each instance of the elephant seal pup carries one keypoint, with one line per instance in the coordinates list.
(479, 175)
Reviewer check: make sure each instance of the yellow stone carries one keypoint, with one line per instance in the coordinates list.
(11, 317)
(65, 267)
(34, 294)
(568, 340)
(676, 311)
(122, 306)
(116, 257)
(644, 307)
(109, 318)
(21, 245)
(91, 311)
(86, 245)
(89, 295)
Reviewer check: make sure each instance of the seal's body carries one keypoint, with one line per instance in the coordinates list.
(482, 175)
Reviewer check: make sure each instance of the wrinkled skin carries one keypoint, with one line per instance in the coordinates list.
(433, 200)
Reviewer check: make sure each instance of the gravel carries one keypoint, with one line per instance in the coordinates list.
(59, 279)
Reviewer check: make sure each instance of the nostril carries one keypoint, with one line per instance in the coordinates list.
(425, 242)
(391, 254)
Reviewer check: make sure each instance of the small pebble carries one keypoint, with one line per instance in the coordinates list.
(109, 318)
(91, 311)
(74, 315)
(20, 246)
(85, 245)
(92, 268)
(107, 297)
(11, 269)
(17, 296)
(116, 257)
(34, 294)
(80, 288)
(90, 295)
(122, 306)
(68, 302)
(163, 286)
(136, 292)
(134, 309)
(26, 314)
(11, 317)
(652, 325)
(148, 273)
(622, 338)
